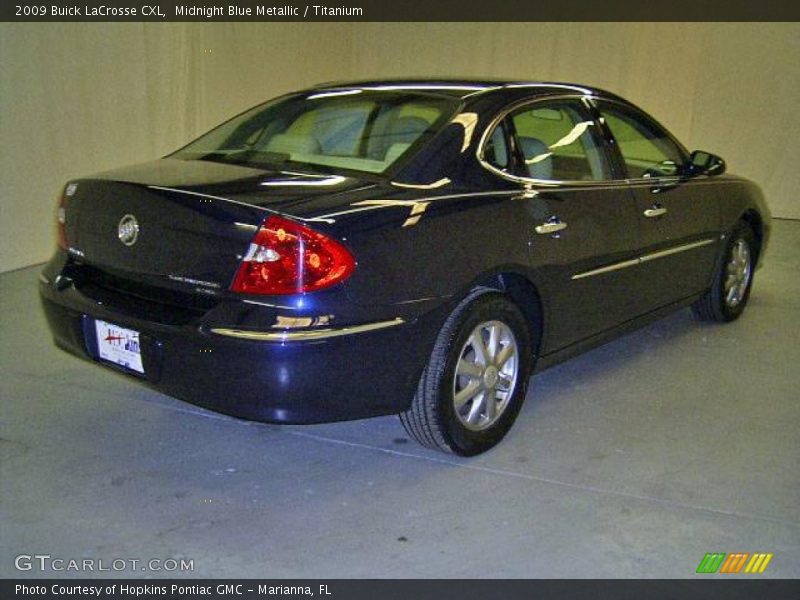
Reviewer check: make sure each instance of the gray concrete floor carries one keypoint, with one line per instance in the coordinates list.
(633, 460)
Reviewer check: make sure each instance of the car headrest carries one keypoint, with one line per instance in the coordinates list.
(293, 144)
(538, 158)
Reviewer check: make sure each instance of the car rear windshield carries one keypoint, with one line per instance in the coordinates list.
(358, 129)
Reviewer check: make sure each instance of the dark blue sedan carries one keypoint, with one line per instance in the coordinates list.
(397, 247)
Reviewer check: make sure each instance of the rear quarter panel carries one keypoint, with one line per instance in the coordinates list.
(427, 248)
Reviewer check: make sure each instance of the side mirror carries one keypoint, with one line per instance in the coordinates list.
(705, 163)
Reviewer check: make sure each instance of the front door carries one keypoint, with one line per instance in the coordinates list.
(677, 216)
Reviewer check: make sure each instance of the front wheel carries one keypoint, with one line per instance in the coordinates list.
(729, 294)
(476, 380)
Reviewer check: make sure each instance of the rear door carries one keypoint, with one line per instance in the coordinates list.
(677, 216)
(580, 220)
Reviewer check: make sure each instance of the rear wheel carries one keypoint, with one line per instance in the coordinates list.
(729, 294)
(475, 382)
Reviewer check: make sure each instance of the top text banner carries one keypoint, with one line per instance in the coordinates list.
(402, 10)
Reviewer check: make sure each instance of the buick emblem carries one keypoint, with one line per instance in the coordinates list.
(128, 230)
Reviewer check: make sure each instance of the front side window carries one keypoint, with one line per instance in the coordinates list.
(557, 140)
(359, 129)
(646, 149)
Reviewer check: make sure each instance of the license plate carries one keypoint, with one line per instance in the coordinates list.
(119, 345)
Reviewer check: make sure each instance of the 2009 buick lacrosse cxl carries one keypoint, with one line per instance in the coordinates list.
(397, 247)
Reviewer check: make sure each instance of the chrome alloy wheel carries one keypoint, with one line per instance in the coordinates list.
(737, 273)
(486, 375)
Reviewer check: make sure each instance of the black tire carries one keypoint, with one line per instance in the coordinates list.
(713, 306)
(432, 418)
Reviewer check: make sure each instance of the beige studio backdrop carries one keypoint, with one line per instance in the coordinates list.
(80, 98)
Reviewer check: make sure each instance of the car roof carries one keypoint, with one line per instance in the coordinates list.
(462, 87)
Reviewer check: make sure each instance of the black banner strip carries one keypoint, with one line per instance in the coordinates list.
(705, 588)
(400, 10)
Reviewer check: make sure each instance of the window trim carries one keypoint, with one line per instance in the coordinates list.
(614, 145)
(503, 114)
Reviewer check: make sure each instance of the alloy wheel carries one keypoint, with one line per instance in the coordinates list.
(737, 273)
(486, 375)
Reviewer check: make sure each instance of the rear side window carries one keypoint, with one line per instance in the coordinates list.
(646, 149)
(558, 140)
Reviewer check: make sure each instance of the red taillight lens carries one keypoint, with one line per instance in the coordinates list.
(288, 258)
(61, 220)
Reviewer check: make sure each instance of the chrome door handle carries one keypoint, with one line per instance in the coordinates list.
(553, 225)
(656, 211)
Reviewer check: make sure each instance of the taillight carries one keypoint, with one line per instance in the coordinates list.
(288, 258)
(61, 220)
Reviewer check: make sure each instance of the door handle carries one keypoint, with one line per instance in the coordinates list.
(552, 225)
(656, 211)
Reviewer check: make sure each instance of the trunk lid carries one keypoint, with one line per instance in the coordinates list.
(185, 225)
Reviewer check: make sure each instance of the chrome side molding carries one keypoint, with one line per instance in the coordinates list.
(676, 250)
(306, 335)
(615, 267)
(644, 258)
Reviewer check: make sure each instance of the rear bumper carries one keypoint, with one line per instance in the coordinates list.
(311, 376)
